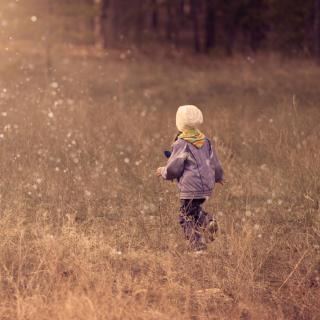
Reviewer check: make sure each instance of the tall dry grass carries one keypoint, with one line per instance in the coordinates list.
(88, 232)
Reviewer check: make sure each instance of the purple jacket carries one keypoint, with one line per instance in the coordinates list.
(196, 170)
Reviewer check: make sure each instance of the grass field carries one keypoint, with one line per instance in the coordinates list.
(87, 230)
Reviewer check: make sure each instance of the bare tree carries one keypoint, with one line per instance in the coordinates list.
(233, 13)
(317, 29)
(49, 42)
(210, 24)
(181, 9)
(139, 17)
(155, 15)
(173, 22)
(179, 21)
(195, 22)
(106, 22)
(169, 25)
(99, 21)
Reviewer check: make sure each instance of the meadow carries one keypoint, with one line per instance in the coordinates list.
(88, 231)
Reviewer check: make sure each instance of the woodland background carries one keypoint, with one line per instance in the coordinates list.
(223, 27)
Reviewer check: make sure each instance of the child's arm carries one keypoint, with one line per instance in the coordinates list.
(175, 165)
(216, 165)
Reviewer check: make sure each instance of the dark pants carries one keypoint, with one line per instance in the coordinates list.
(195, 222)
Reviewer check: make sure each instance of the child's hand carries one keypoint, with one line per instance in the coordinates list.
(159, 171)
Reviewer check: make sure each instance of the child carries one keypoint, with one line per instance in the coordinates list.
(194, 163)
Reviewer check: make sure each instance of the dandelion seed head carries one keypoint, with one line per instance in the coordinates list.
(248, 213)
(152, 208)
(263, 166)
(54, 85)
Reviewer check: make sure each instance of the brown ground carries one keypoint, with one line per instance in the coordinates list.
(87, 230)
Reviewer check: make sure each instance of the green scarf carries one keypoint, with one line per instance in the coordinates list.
(194, 136)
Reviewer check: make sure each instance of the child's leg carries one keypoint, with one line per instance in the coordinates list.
(190, 213)
(186, 219)
(208, 224)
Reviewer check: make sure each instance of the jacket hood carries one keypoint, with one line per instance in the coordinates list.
(188, 117)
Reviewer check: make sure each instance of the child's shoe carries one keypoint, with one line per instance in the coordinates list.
(212, 229)
(197, 242)
(199, 247)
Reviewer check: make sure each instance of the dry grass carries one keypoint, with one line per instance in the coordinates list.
(88, 232)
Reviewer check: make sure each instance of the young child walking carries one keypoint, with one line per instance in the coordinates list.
(195, 165)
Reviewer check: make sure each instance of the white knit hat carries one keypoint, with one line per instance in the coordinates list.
(188, 117)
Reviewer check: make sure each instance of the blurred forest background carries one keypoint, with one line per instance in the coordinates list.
(221, 26)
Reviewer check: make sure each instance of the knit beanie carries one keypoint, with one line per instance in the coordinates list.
(188, 117)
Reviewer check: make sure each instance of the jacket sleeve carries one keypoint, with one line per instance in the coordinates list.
(215, 164)
(175, 165)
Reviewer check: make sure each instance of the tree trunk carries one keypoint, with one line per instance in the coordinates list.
(317, 30)
(139, 23)
(99, 22)
(169, 20)
(231, 24)
(230, 42)
(155, 15)
(210, 25)
(113, 31)
(181, 14)
(48, 48)
(105, 23)
(178, 22)
(195, 21)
